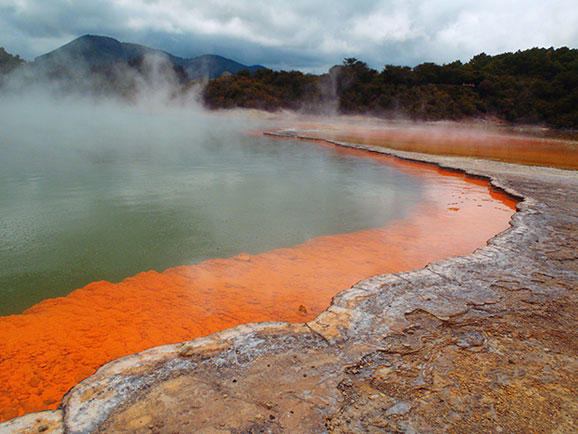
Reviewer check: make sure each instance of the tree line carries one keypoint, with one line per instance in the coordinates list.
(9, 62)
(539, 85)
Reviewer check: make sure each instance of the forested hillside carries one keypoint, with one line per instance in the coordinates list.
(536, 86)
(533, 86)
(8, 62)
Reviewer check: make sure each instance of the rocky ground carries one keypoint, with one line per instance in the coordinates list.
(476, 344)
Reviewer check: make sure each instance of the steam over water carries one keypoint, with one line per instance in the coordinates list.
(108, 192)
(102, 192)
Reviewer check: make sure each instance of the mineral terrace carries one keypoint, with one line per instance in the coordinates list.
(485, 343)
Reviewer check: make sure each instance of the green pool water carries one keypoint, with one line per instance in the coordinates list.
(102, 192)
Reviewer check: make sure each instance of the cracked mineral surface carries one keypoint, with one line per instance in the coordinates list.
(481, 343)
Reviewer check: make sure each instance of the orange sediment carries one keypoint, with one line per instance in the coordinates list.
(59, 342)
(461, 142)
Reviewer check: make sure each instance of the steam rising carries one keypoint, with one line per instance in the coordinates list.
(93, 186)
(125, 171)
(150, 80)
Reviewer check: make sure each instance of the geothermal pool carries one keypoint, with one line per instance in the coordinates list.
(95, 193)
(172, 224)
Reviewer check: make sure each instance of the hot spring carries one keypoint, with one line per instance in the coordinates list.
(159, 225)
(92, 194)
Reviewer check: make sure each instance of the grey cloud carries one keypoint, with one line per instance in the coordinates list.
(302, 34)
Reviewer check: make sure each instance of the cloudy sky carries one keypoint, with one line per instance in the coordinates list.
(309, 35)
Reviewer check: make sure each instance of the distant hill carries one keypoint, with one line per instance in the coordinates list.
(8, 62)
(92, 51)
(212, 66)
